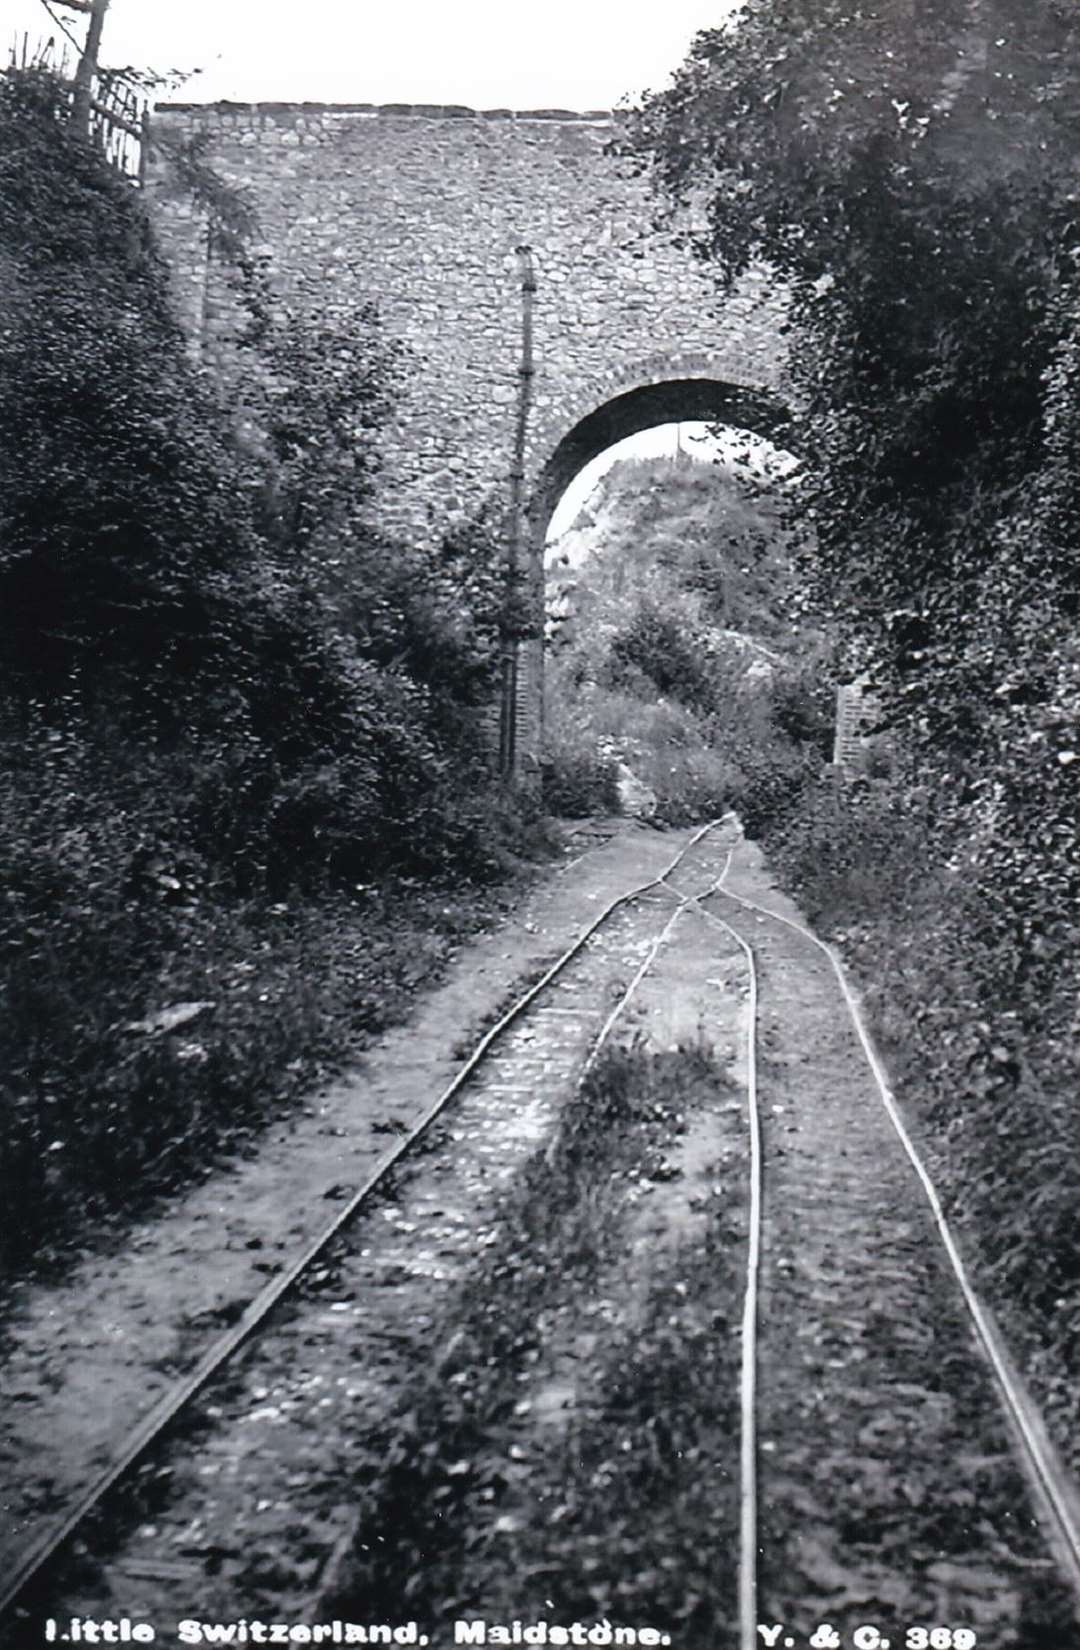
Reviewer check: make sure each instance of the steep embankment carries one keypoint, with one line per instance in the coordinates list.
(241, 734)
(658, 525)
(678, 672)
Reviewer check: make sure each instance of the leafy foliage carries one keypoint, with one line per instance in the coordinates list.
(655, 659)
(224, 691)
(909, 172)
(113, 911)
(654, 644)
(120, 508)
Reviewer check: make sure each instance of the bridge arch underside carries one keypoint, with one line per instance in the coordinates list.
(674, 400)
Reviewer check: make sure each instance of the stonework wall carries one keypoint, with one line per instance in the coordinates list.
(421, 211)
(857, 711)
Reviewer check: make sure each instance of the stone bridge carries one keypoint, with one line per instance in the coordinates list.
(425, 211)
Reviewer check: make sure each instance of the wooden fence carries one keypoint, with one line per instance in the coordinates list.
(117, 105)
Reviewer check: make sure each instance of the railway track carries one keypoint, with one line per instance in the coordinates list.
(833, 1397)
(859, 1386)
(493, 1113)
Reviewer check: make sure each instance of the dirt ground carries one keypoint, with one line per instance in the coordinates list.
(514, 1395)
(85, 1357)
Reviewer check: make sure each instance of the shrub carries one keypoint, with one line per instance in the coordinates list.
(657, 646)
(803, 707)
(227, 701)
(239, 608)
(122, 509)
(577, 783)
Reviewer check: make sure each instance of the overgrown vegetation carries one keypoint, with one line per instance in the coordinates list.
(979, 1032)
(239, 728)
(616, 1513)
(910, 172)
(664, 681)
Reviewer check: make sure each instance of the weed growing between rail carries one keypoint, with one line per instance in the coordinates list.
(571, 1453)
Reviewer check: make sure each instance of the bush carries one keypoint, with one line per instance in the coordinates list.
(803, 708)
(197, 875)
(236, 607)
(772, 778)
(577, 783)
(235, 718)
(656, 646)
(123, 511)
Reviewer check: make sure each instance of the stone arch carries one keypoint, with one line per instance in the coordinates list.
(661, 390)
(418, 207)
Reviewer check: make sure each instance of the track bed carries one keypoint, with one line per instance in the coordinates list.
(680, 1348)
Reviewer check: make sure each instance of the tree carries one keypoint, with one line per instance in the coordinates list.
(227, 601)
(123, 505)
(910, 169)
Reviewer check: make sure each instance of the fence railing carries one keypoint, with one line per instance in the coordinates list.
(117, 105)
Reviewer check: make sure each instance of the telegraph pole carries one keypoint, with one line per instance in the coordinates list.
(508, 755)
(83, 95)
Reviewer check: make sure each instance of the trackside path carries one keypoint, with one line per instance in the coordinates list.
(889, 1492)
(81, 1361)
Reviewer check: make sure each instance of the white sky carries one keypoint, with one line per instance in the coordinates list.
(752, 454)
(485, 53)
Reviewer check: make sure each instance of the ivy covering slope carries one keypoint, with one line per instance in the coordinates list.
(910, 169)
(233, 718)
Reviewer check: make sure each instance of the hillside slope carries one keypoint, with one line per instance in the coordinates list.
(677, 661)
(654, 525)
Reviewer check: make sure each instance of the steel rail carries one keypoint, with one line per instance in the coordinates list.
(684, 903)
(154, 1422)
(1054, 1493)
(748, 1452)
(328, 1576)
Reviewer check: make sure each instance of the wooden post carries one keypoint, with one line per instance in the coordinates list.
(508, 753)
(83, 96)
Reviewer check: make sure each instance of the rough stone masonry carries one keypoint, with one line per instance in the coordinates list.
(420, 209)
